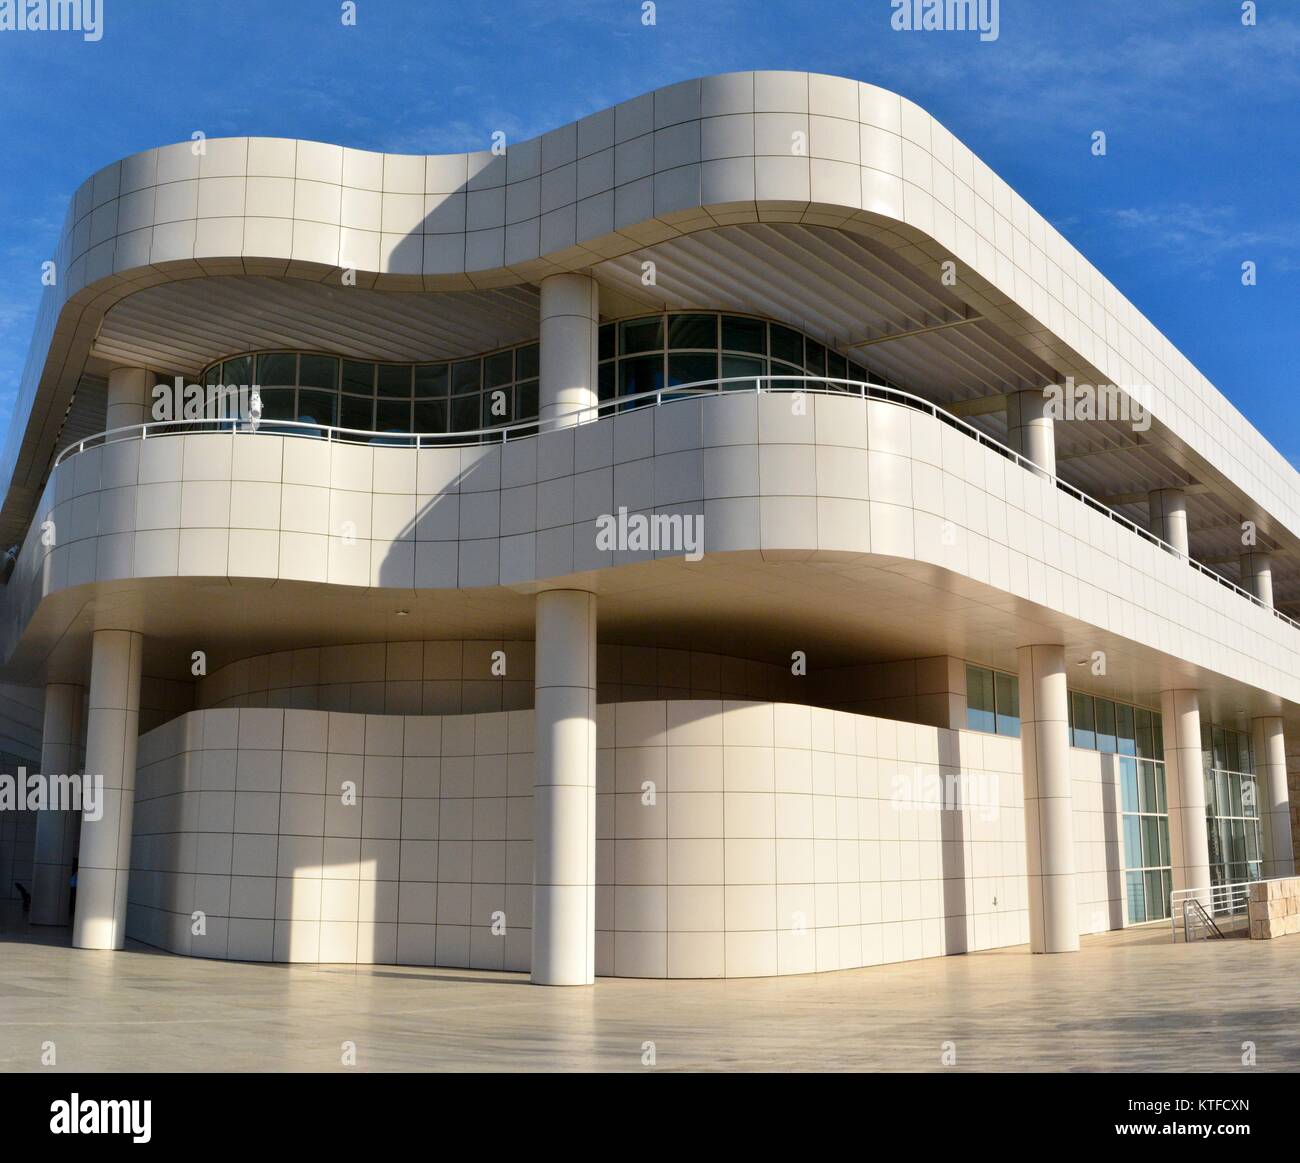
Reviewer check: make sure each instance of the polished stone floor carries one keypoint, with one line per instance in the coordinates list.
(1126, 1002)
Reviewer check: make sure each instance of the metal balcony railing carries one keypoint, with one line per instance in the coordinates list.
(821, 385)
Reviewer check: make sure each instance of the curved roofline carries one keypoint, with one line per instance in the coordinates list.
(732, 148)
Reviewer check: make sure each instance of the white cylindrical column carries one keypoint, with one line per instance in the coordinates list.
(1030, 430)
(570, 322)
(564, 790)
(112, 723)
(1273, 796)
(1167, 509)
(1257, 576)
(1189, 838)
(56, 828)
(129, 399)
(1049, 803)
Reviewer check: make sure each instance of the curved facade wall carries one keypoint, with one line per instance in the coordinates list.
(850, 477)
(689, 157)
(781, 839)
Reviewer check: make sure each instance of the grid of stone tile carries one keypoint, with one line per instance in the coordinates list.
(780, 839)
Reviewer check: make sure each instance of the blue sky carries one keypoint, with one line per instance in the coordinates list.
(1200, 115)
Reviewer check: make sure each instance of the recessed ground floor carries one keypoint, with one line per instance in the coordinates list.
(1128, 1001)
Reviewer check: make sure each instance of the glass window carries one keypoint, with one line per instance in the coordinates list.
(690, 369)
(1105, 715)
(499, 369)
(787, 345)
(1150, 841)
(526, 400)
(430, 416)
(526, 362)
(465, 378)
(277, 404)
(637, 335)
(358, 377)
(315, 407)
(787, 369)
(1125, 737)
(1006, 697)
(814, 358)
(238, 372)
(742, 365)
(318, 371)
(1249, 796)
(277, 369)
(643, 374)
(1145, 739)
(1156, 905)
(1221, 751)
(1133, 841)
(394, 381)
(741, 334)
(464, 413)
(692, 331)
(1128, 784)
(837, 365)
(1149, 799)
(1081, 717)
(1136, 898)
(606, 342)
(431, 379)
(980, 714)
(357, 412)
(393, 416)
(607, 381)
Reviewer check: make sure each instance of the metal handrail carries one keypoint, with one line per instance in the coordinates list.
(820, 385)
(1215, 900)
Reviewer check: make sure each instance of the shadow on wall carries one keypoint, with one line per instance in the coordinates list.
(1114, 841)
(953, 850)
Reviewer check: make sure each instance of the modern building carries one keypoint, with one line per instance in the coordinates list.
(656, 550)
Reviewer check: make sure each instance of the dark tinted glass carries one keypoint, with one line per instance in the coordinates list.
(278, 368)
(641, 335)
(430, 416)
(692, 331)
(317, 407)
(237, 372)
(393, 416)
(395, 380)
(464, 414)
(318, 371)
(277, 404)
(431, 379)
(358, 377)
(687, 369)
(465, 377)
(742, 365)
(526, 400)
(836, 365)
(787, 345)
(607, 342)
(357, 412)
(498, 369)
(526, 367)
(741, 334)
(606, 381)
(815, 357)
(644, 374)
